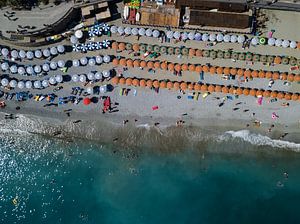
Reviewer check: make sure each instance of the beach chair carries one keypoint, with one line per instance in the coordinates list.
(196, 96)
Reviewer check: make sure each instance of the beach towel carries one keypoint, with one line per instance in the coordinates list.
(259, 100)
(155, 108)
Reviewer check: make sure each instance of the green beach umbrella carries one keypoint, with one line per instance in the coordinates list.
(262, 41)
(255, 58)
(293, 61)
(205, 53)
(227, 55)
(270, 59)
(156, 48)
(242, 56)
(177, 50)
(128, 46)
(220, 54)
(185, 51)
(149, 47)
(163, 49)
(263, 58)
(285, 61)
(213, 54)
(142, 47)
(234, 55)
(249, 57)
(170, 50)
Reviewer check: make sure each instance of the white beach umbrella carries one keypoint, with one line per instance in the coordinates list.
(4, 82)
(92, 62)
(61, 49)
(254, 41)
(205, 37)
(114, 29)
(127, 30)
(22, 54)
(78, 34)
(191, 35)
(29, 70)
(142, 31)
(106, 58)
(271, 41)
(29, 55)
(198, 36)
(99, 59)
(75, 78)
(278, 42)
(170, 34)
(241, 39)
(184, 36)
(83, 61)
(28, 84)
(233, 39)
(4, 51)
(13, 69)
(61, 63)
(13, 83)
(293, 44)
(91, 76)
(212, 37)
(121, 30)
(46, 52)
(82, 78)
(45, 83)
(37, 69)
(53, 65)
(285, 43)
(155, 33)
(90, 90)
(220, 37)
(38, 54)
(176, 35)
(21, 70)
(98, 75)
(52, 80)
(227, 38)
(4, 66)
(73, 40)
(59, 78)
(14, 54)
(21, 85)
(46, 67)
(53, 51)
(106, 73)
(37, 84)
(75, 62)
(135, 31)
(149, 32)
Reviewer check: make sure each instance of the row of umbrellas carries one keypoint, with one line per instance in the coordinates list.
(212, 37)
(29, 84)
(90, 46)
(47, 52)
(204, 88)
(91, 61)
(32, 70)
(206, 53)
(91, 76)
(208, 69)
(98, 29)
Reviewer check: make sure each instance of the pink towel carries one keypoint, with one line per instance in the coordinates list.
(155, 108)
(259, 100)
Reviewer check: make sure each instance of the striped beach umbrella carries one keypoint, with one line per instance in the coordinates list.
(106, 43)
(90, 46)
(98, 45)
(83, 47)
(106, 27)
(98, 31)
(76, 48)
(91, 32)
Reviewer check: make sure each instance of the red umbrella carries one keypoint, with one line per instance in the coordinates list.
(86, 101)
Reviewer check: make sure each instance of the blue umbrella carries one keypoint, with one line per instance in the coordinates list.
(76, 47)
(91, 32)
(98, 45)
(83, 47)
(106, 43)
(90, 46)
(106, 27)
(98, 31)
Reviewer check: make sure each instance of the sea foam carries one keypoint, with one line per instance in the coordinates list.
(261, 140)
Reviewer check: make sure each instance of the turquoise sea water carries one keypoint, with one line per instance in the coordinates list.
(229, 181)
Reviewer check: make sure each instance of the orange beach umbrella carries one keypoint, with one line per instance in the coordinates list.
(149, 83)
(115, 80)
